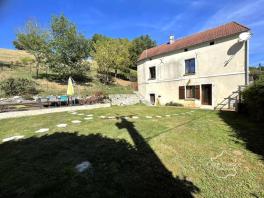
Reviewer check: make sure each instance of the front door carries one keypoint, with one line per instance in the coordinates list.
(207, 94)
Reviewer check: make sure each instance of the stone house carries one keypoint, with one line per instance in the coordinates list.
(203, 70)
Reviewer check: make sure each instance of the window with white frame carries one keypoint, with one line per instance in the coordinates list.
(152, 73)
(190, 66)
(190, 91)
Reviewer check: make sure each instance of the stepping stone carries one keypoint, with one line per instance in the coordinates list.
(111, 117)
(135, 117)
(86, 165)
(62, 125)
(81, 114)
(74, 113)
(149, 117)
(89, 118)
(76, 121)
(158, 116)
(90, 115)
(176, 114)
(17, 137)
(168, 115)
(103, 117)
(126, 117)
(43, 130)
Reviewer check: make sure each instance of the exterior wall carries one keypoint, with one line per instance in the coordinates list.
(221, 64)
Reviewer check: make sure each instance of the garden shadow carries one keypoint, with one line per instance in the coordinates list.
(44, 167)
(251, 133)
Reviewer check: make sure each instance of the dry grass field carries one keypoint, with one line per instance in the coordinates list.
(11, 67)
(12, 56)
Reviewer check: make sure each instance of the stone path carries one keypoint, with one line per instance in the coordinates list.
(13, 138)
(42, 130)
(90, 117)
(62, 125)
(17, 114)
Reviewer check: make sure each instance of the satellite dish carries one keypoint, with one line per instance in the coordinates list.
(244, 36)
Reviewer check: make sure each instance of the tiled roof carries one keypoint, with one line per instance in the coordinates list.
(206, 36)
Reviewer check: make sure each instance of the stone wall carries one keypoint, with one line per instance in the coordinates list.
(124, 99)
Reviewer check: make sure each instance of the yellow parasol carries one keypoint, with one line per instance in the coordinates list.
(70, 90)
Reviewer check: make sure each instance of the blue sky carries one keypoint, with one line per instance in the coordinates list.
(131, 18)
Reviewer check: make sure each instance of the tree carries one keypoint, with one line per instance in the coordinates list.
(111, 55)
(256, 72)
(99, 37)
(35, 41)
(253, 97)
(18, 45)
(96, 38)
(122, 56)
(138, 46)
(68, 49)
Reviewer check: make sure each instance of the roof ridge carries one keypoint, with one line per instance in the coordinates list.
(240, 25)
(221, 31)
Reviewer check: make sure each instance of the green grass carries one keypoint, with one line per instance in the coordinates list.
(157, 157)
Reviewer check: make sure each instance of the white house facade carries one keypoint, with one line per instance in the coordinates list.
(202, 70)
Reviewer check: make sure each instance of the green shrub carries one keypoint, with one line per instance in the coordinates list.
(19, 86)
(174, 104)
(254, 100)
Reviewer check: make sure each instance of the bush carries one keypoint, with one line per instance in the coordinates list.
(173, 104)
(20, 86)
(253, 98)
(98, 97)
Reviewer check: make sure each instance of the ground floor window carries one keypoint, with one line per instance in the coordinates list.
(190, 91)
(152, 99)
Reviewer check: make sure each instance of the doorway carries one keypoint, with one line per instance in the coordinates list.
(207, 94)
(152, 99)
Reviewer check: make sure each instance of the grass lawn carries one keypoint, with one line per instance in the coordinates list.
(191, 153)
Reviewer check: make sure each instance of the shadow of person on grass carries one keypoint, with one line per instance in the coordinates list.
(45, 167)
(251, 133)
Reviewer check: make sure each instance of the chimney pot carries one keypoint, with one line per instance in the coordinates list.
(171, 39)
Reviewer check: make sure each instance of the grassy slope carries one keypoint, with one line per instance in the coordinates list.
(184, 143)
(52, 87)
(8, 56)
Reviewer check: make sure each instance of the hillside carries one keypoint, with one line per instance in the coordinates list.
(12, 56)
(10, 66)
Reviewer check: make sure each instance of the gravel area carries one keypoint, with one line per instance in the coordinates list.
(17, 114)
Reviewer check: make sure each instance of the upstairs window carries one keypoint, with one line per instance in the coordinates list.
(190, 66)
(152, 73)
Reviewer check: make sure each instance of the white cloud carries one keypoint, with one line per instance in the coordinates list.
(170, 24)
(249, 13)
(244, 12)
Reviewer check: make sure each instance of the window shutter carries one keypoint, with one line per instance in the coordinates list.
(181, 92)
(197, 92)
